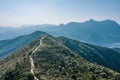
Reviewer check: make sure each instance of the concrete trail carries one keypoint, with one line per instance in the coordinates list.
(32, 61)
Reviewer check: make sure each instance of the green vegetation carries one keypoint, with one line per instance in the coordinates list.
(9, 46)
(100, 55)
(53, 61)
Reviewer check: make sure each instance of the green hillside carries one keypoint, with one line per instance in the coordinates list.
(9, 46)
(53, 61)
(100, 55)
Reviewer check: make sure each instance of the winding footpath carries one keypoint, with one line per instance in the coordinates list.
(32, 61)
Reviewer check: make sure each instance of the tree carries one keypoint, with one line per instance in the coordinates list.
(74, 77)
(30, 76)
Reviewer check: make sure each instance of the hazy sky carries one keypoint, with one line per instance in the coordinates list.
(20, 12)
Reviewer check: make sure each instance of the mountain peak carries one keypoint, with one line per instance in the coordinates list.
(38, 32)
(105, 21)
(110, 22)
(61, 24)
(92, 20)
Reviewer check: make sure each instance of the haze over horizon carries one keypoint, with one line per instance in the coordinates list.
(16, 13)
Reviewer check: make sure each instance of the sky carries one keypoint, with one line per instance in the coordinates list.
(26, 12)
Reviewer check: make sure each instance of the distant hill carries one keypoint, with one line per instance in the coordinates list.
(103, 33)
(53, 61)
(116, 49)
(100, 55)
(9, 46)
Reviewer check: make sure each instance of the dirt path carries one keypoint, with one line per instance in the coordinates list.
(32, 61)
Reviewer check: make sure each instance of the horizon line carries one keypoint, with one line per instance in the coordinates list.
(23, 25)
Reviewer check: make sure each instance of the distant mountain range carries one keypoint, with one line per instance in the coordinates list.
(102, 33)
(57, 59)
(116, 49)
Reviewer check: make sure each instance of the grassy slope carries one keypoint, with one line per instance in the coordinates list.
(102, 56)
(9, 46)
(53, 61)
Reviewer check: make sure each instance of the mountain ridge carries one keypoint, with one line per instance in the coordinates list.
(88, 51)
(102, 33)
(53, 60)
(95, 54)
(9, 46)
